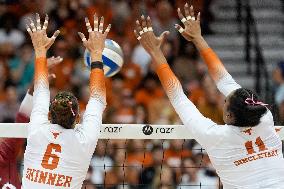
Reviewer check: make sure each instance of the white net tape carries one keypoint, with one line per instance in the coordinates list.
(120, 131)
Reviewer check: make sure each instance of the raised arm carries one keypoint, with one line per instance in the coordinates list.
(192, 32)
(95, 44)
(41, 44)
(200, 127)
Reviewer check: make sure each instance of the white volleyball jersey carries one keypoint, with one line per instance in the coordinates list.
(244, 158)
(56, 157)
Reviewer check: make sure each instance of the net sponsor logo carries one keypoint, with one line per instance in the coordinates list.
(148, 130)
(110, 129)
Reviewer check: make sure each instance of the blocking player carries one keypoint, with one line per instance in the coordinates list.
(10, 147)
(246, 152)
(58, 155)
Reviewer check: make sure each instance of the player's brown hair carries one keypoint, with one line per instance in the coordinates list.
(64, 109)
(246, 114)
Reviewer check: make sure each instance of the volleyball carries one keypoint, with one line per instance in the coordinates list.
(112, 58)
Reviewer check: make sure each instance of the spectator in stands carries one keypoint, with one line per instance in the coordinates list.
(148, 173)
(141, 114)
(101, 162)
(278, 77)
(22, 68)
(176, 151)
(189, 177)
(149, 91)
(164, 21)
(164, 178)
(9, 32)
(10, 106)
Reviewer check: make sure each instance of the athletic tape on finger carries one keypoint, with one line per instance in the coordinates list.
(141, 32)
(107, 30)
(183, 20)
(38, 24)
(34, 30)
(150, 29)
(138, 38)
(44, 25)
(181, 30)
(100, 30)
(145, 29)
(29, 30)
(89, 30)
(84, 39)
(193, 18)
(188, 18)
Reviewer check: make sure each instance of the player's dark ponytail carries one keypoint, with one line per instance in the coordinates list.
(64, 110)
(246, 108)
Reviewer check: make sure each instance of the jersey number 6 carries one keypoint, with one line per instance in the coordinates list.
(50, 160)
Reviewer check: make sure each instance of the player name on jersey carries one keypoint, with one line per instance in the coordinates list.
(48, 178)
(267, 154)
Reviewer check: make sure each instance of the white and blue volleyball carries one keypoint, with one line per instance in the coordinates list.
(112, 58)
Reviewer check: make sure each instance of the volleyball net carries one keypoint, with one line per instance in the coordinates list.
(134, 156)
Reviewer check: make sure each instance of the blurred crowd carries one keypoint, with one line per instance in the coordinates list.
(134, 95)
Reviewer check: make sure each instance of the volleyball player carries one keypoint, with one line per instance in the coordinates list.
(10, 147)
(246, 152)
(58, 155)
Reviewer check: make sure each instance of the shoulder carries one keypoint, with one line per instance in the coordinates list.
(267, 118)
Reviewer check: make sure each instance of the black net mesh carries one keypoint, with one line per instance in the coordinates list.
(147, 164)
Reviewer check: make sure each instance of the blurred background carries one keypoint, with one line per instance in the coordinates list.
(247, 35)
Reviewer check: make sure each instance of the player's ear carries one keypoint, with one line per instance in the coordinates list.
(49, 116)
(78, 118)
(230, 118)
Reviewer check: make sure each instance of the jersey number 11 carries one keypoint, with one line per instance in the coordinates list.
(260, 144)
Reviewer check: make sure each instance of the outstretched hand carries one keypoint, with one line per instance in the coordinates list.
(144, 33)
(53, 61)
(191, 30)
(97, 36)
(41, 42)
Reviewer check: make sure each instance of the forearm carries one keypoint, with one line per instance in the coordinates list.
(215, 66)
(224, 81)
(41, 73)
(97, 80)
(41, 95)
(158, 58)
(200, 43)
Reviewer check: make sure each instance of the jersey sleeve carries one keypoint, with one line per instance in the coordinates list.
(26, 105)
(92, 118)
(224, 81)
(204, 130)
(41, 98)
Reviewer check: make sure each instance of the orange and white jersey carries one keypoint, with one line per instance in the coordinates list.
(56, 157)
(243, 157)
